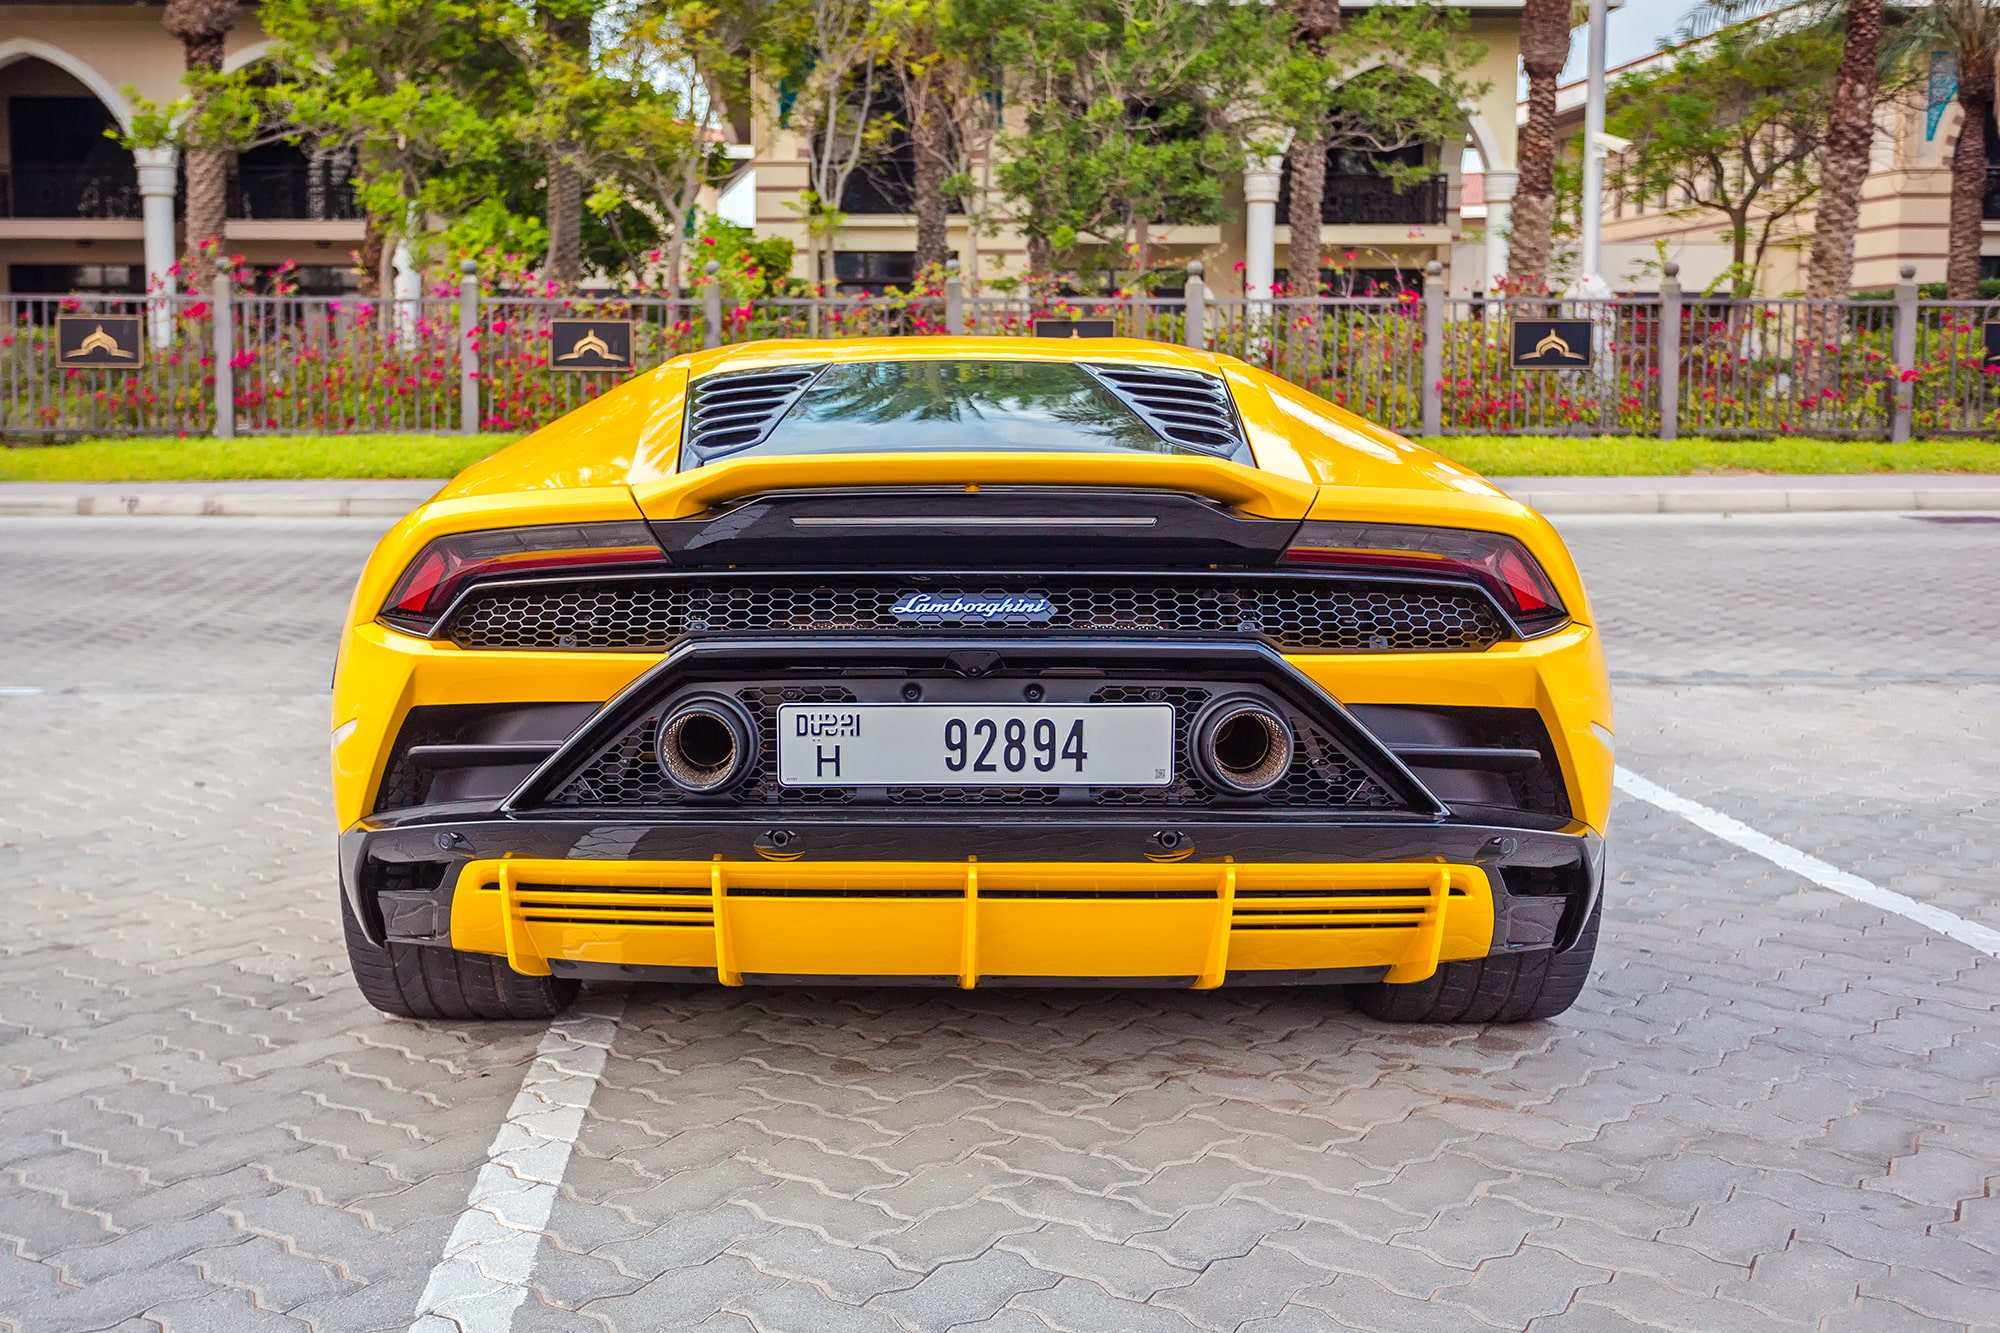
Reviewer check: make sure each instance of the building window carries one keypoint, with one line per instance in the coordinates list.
(63, 166)
(871, 272)
(1358, 194)
(82, 279)
(282, 181)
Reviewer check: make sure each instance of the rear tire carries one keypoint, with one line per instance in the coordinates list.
(426, 981)
(1505, 988)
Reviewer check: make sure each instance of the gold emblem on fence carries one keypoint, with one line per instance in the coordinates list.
(591, 344)
(588, 345)
(98, 342)
(1551, 344)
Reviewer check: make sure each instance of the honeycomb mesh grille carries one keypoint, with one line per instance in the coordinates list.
(629, 774)
(1302, 614)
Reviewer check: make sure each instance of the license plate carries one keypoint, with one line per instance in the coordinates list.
(976, 745)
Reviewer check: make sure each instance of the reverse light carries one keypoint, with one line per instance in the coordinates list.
(1499, 563)
(449, 564)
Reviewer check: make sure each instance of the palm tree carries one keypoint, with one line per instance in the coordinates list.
(1971, 29)
(1315, 24)
(1850, 133)
(201, 27)
(1545, 29)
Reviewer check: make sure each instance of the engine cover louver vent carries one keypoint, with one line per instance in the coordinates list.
(1185, 407)
(732, 412)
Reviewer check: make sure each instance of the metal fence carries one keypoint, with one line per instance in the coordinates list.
(1417, 361)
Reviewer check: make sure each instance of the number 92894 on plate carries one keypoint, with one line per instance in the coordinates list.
(976, 745)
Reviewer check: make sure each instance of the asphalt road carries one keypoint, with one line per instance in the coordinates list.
(1775, 1107)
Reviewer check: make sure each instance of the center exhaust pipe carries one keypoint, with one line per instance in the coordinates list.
(1242, 745)
(707, 744)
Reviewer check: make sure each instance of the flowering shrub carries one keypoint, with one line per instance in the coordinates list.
(309, 364)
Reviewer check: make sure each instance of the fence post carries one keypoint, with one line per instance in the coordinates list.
(954, 300)
(1670, 352)
(1905, 354)
(711, 306)
(225, 352)
(1433, 348)
(468, 351)
(1194, 325)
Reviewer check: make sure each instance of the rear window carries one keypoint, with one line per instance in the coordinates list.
(927, 406)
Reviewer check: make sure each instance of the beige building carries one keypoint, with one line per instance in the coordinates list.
(1905, 208)
(79, 213)
(1388, 233)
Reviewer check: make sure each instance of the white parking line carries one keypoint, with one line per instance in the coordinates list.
(1983, 938)
(20, 689)
(483, 1277)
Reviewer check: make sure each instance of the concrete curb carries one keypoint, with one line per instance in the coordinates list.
(1555, 496)
(1761, 500)
(208, 506)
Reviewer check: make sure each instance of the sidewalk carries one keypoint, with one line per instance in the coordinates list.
(1552, 495)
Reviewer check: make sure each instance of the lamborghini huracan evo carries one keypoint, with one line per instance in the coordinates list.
(971, 662)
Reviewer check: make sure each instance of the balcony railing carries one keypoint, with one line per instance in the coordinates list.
(1375, 201)
(69, 192)
(295, 193)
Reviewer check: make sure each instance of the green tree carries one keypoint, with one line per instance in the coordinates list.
(1126, 109)
(1970, 29)
(1869, 65)
(419, 90)
(1733, 126)
(628, 116)
(825, 58)
(1411, 92)
(937, 53)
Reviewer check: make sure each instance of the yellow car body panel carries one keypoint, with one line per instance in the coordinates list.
(616, 460)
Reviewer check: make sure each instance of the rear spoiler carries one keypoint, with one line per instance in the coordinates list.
(1254, 493)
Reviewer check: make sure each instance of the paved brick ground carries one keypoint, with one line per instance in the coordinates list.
(1774, 1108)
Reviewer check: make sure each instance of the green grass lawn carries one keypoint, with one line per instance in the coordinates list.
(287, 457)
(334, 456)
(1633, 456)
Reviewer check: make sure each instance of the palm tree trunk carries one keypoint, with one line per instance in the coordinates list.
(1968, 189)
(207, 166)
(368, 259)
(1308, 159)
(565, 210)
(1850, 136)
(1544, 49)
(930, 144)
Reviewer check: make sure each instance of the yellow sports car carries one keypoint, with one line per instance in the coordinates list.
(971, 662)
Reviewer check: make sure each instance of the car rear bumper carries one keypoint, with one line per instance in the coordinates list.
(971, 902)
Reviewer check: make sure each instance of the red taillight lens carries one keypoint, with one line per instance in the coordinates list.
(449, 564)
(1499, 563)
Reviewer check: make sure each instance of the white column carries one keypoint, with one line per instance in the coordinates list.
(1499, 225)
(1593, 154)
(407, 292)
(156, 211)
(1260, 226)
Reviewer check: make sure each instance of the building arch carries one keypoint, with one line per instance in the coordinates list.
(1481, 129)
(30, 48)
(249, 55)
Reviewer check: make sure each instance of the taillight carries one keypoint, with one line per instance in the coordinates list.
(449, 564)
(1501, 564)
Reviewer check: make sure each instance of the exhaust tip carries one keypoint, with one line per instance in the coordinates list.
(1243, 745)
(707, 744)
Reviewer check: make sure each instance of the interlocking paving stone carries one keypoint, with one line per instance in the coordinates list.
(1774, 1108)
